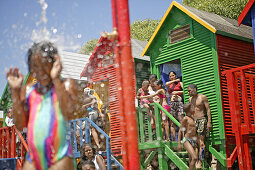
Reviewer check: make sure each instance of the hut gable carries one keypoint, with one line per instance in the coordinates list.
(214, 23)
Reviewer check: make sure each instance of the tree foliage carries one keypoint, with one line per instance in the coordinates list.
(228, 8)
(143, 29)
(89, 47)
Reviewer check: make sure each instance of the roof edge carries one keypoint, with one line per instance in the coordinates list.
(234, 36)
(245, 11)
(186, 11)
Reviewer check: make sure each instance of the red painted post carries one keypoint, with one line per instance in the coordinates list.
(247, 152)
(246, 111)
(251, 79)
(127, 74)
(235, 115)
(120, 92)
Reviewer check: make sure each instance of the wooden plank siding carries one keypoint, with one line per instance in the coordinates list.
(232, 53)
(109, 73)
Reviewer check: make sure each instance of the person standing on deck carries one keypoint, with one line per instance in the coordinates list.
(202, 117)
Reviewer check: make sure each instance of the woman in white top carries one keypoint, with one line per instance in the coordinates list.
(89, 153)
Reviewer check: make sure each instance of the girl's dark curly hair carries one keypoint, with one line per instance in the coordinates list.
(160, 82)
(45, 48)
(82, 150)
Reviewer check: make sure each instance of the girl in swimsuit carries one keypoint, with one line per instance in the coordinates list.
(161, 93)
(175, 90)
(44, 108)
(145, 102)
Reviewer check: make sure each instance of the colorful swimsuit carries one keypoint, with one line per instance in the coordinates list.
(144, 93)
(167, 107)
(47, 129)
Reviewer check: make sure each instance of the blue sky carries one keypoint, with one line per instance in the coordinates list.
(70, 23)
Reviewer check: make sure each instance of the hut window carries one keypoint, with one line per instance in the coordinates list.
(179, 34)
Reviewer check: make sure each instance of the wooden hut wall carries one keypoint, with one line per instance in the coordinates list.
(199, 63)
(109, 73)
(232, 53)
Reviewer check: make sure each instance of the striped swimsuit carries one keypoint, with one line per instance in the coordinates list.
(47, 129)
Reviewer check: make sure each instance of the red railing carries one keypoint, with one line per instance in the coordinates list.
(8, 147)
(241, 84)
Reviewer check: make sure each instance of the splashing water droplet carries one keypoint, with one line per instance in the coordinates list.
(54, 30)
(79, 36)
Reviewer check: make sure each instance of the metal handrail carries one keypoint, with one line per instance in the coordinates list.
(87, 139)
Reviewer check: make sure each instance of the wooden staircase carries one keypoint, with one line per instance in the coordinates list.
(112, 162)
(151, 142)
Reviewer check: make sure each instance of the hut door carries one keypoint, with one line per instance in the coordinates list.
(175, 66)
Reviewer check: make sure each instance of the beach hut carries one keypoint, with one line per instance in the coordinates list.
(199, 46)
(102, 75)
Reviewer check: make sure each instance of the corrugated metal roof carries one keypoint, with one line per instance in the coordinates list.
(222, 23)
(73, 64)
(137, 49)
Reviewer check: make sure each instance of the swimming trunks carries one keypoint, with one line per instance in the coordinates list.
(201, 126)
(47, 129)
(190, 140)
(176, 109)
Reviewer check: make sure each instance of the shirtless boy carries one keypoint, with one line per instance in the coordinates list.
(201, 107)
(190, 138)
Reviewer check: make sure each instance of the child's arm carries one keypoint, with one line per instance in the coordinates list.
(15, 80)
(181, 129)
(138, 95)
(152, 95)
(176, 92)
(65, 92)
(92, 102)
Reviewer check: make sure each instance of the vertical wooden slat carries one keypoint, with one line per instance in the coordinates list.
(251, 83)
(246, 111)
